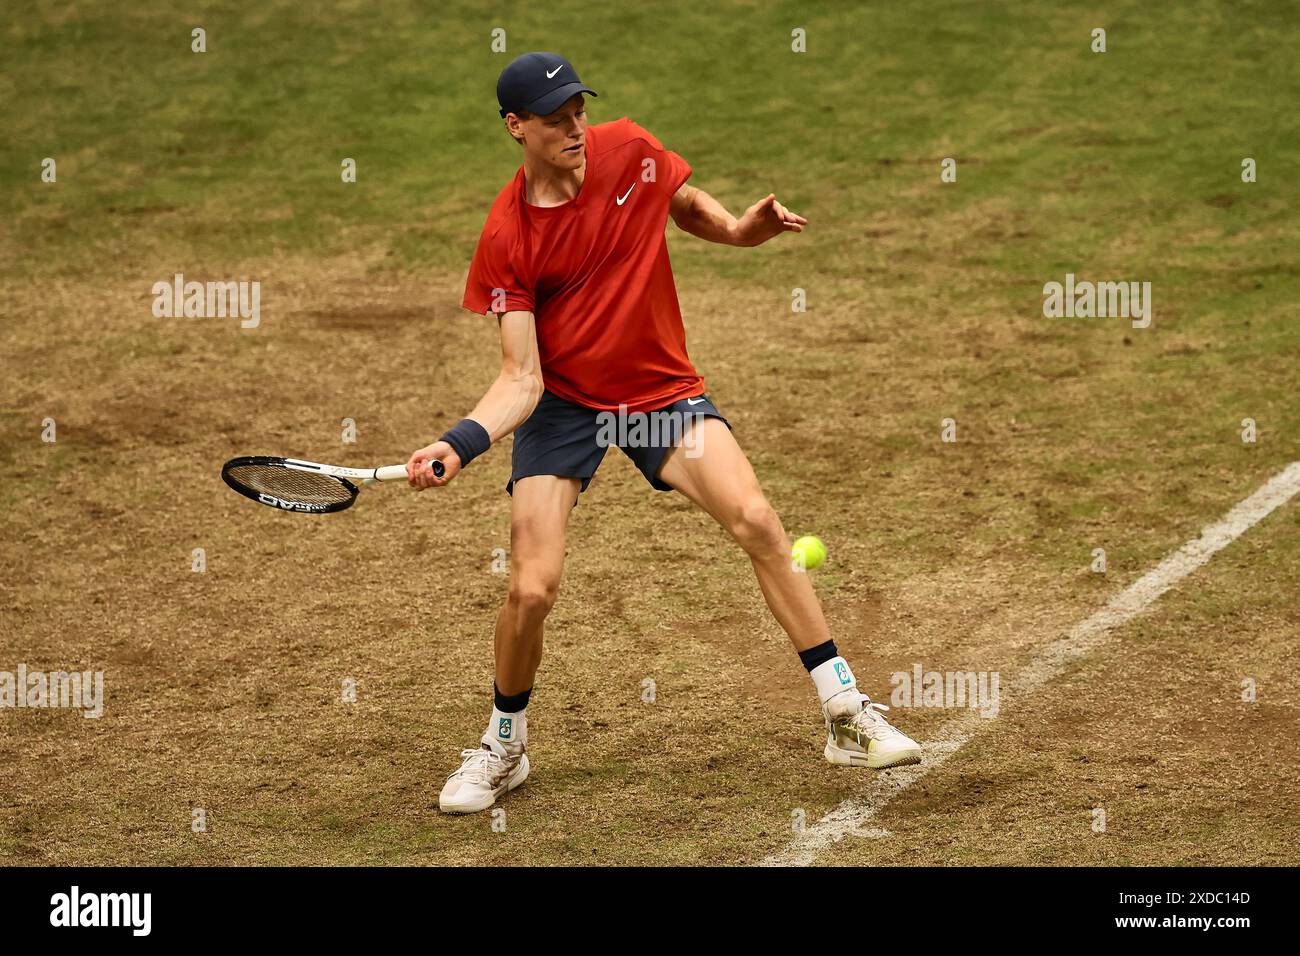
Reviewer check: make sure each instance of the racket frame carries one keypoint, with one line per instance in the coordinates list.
(353, 479)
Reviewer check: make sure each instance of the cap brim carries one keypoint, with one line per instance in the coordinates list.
(553, 100)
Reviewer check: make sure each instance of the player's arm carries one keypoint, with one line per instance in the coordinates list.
(504, 407)
(698, 213)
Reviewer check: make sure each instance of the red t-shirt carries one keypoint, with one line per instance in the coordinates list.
(595, 273)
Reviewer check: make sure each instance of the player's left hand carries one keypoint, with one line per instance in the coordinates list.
(765, 219)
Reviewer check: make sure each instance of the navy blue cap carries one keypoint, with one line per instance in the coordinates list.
(538, 82)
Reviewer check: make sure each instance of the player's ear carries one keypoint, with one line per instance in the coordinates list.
(520, 117)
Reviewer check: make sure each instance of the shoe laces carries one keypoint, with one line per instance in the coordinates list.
(479, 765)
(868, 723)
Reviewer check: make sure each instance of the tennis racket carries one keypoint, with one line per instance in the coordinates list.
(288, 484)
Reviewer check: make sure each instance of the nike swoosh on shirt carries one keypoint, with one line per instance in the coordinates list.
(622, 199)
(551, 75)
(694, 401)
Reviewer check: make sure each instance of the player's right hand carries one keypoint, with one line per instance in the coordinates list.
(419, 474)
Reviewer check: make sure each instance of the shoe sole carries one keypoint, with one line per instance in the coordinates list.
(514, 780)
(848, 758)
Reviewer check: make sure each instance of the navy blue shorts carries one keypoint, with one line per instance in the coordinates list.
(569, 440)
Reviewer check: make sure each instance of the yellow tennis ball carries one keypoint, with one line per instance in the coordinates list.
(809, 552)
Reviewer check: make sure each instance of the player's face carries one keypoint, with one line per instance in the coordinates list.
(561, 137)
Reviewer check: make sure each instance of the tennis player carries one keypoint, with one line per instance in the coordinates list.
(573, 262)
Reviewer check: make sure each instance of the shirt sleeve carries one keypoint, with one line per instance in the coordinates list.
(493, 284)
(671, 170)
(679, 170)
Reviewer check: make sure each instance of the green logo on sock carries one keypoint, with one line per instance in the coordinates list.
(503, 731)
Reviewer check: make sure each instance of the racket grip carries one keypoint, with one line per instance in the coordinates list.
(398, 472)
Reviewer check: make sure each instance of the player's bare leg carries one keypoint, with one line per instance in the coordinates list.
(721, 481)
(539, 514)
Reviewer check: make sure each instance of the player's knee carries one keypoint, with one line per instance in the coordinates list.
(757, 528)
(533, 597)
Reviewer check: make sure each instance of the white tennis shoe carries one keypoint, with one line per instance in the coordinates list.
(486, 773)
(857, 736)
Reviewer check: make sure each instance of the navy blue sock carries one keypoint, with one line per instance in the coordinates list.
(514, 703)
(818, 655)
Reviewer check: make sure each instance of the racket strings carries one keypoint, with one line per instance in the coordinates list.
(291, 485)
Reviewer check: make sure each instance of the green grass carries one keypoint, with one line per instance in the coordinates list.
(236, 152)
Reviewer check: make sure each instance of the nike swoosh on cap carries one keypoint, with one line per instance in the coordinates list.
(550, 75)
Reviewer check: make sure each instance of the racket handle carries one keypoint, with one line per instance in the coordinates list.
(398, 472)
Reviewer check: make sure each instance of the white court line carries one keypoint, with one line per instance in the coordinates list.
(853, 816)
